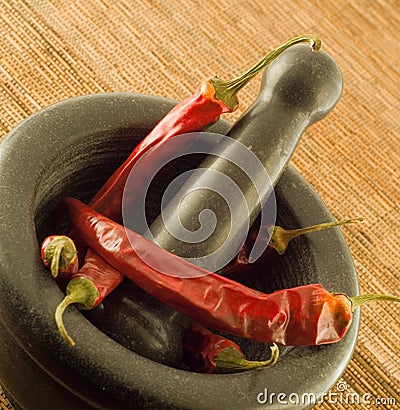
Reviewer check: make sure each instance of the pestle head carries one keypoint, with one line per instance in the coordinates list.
(304, 80)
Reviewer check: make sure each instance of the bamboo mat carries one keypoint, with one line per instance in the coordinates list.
(53, 50)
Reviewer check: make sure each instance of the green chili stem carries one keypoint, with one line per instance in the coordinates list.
(372, 297)
(229, 359)
(68, 300)
(55, 259)
(281, 237)
(61, 253)
(79, 290)
(226, 90)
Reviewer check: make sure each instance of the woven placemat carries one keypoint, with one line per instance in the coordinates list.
(53, 50)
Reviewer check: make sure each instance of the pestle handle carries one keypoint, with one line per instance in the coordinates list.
(217, 204)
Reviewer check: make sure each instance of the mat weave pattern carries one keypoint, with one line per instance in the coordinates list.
(53, 50)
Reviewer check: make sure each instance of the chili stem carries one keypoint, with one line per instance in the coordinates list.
(227, 90)
(372, 297)
(281, 237)
(79, 290)
(68, 300)
(59, 252)
(230, 359)
(55, 259)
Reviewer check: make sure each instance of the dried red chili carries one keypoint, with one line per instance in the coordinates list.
(94, 281)
(211, 99)
(207, 352)
(305, 315)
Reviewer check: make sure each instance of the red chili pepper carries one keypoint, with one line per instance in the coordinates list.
(278, 239)
(58, 252)
(211, 99)
(207, 352)
(94, 281)
(305, 315)
(97, 279)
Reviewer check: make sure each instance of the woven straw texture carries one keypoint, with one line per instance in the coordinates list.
(53, 50)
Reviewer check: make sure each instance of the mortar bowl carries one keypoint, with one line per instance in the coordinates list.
(70, 149)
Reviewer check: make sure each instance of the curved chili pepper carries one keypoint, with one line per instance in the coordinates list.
(211, 99)
(207, 352)
(97, 279)
(278, 239)
(58, 252)
(94, 281)
(305, 315)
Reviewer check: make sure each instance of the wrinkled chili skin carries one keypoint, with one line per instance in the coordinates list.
(103, 276)
(305, 315)
(201, 347)
(192, 114)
